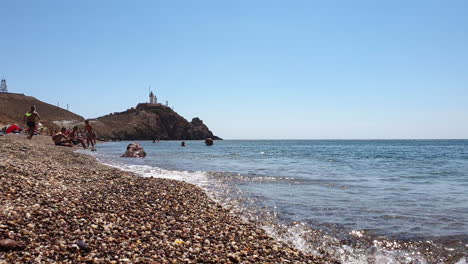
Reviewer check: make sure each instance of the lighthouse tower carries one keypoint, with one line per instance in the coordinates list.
(152, 98)
(3, 86)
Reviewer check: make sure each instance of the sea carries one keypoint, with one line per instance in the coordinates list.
(360, 201)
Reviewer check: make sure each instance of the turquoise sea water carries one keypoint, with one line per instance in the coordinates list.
(355, 191)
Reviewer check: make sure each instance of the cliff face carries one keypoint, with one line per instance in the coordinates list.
(148, 122)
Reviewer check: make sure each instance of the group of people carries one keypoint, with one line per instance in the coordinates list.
(65, 137)
(208, 142)
(70, 138)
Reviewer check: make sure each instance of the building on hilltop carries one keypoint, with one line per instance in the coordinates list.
(152, 98)
(152, 104)
(3, 86)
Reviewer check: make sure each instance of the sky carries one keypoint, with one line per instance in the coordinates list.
(250, 69)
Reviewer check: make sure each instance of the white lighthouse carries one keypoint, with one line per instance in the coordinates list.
(152, 98)
(3, 86)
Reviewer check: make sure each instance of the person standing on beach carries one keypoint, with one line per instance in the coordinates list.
(30, 119)
(90, 135)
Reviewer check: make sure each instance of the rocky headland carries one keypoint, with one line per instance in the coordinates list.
(58, 206)
(148, 122)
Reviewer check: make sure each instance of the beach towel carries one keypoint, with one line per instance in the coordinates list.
(12, 128)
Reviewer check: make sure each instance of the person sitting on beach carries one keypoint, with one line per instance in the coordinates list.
(90, 134)
(81, 133)
(75, 139)
(61, 140)
(30, 119)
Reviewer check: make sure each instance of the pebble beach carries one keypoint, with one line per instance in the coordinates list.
(58, 206)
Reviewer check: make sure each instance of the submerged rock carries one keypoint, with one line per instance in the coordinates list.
(134, 150)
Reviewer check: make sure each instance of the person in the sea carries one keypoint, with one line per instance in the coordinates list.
(61, 140)
(209, 141)
(90, 134)
(75, 139)
(183, 144)
(30, 120)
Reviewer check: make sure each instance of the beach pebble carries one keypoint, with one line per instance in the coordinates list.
(82, 245)
(233, 258)
(9, 244)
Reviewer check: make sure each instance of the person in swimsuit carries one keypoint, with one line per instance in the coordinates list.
(75, 139)
(30, 119)
(209, 142)
(61, 140)
(90, 134)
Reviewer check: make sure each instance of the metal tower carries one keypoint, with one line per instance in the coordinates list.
(3, 86)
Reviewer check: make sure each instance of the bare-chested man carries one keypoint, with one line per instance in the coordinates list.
(61, 140)
(73, 136)
(90, 134)
(30, 119)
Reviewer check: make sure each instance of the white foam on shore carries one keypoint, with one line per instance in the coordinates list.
(198, 178)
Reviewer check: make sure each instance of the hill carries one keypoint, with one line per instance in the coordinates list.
(145, 122)
(150, 121)
(14, 106)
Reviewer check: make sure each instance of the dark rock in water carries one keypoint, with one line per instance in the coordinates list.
(8, 244)
(82, 245)
(134, 150)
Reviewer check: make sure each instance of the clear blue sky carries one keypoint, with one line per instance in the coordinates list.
(251, 69)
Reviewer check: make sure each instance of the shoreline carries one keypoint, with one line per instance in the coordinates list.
(54, 198)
